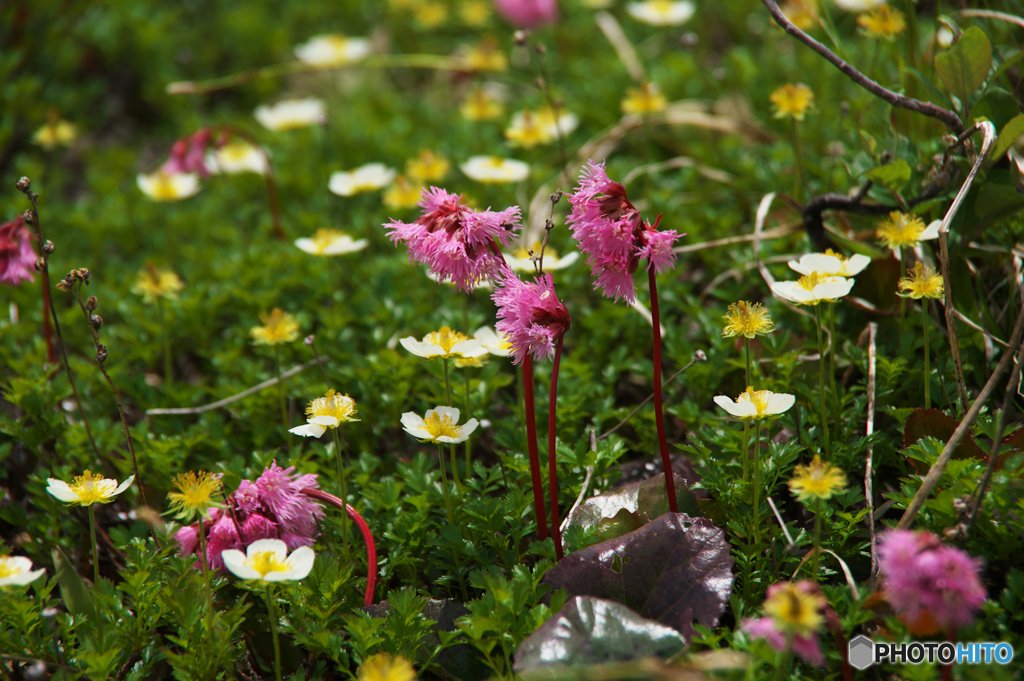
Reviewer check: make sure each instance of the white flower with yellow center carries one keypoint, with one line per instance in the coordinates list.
(530, 128)
(367, 178)
(661, 12)
(520, 260)
(289, 114)
(333, 49)
(492, 342)
(330, 242)
(858, 5)
(813, 289)
(17, 571)
(756, 404)
(830, 264)
(494, 169)
(446, 344)
(439, 425)
(329, 411)
(267, 560)
(238, 157)
(482, 283)
(161, 186)
(87, 489)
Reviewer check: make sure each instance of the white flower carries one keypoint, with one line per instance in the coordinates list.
(482, 283)
(831, 264)
(444, 343)
(87, 489)
(329, 411)
(492, 342)
(161, 186)
(363, 179)
(439, 425)
(530, 128)
(757, 404)
(289, 114)
(661, 12)
(494, 169)
(813, 289)
(858, 5)
(519, 260)
(268, 561)
(330, 242)
(944, 37)
(238, 157)
(332, 50)
(17, 571)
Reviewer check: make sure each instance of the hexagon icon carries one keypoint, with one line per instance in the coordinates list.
(861, 651)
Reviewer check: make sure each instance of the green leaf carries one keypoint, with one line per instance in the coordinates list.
(1007, 65)
(1010, 132)
(892, 176)
(943, 99)
(76, 596)
(963, 68)
(590, 631)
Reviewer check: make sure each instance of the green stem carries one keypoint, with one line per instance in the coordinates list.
(168, 370)
(206, 574)
(448, 402)
(927, 374)
(95, 548)
(341, 482)
(469, 454)
(746, 345)
(272, 616)
(832, 351)
(757, 482)
(280, 388)
(444, 485)
(903, 263)
(821, 382)
(817, 539)
(745, 454)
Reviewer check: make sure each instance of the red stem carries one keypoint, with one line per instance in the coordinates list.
(275, 206)
(552, 469)
(47, 330)
(531, 444)
(666, 461)
(364, 529)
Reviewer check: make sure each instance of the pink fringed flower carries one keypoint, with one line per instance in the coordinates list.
(529, 315)
(612, 233)
(455, 241)
(17, 259)
(806, 647)
(527, 13)
(924, 575)
(272, 507)
(188, 154)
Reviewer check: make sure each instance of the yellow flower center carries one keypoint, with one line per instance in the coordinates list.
(759, 398)
(480, 106)
(661, 7)
(441, 426)
(324, 238)
(8, 568)
(278, 327)
(431, 14)
(476, 12)
(164, 188)
(882, 22)
(383, 667)
(809, 281)
(235, 151)
(523, 253)
(747, 319)
(337, 43)
(402, 194)
(530, 131)
(153, 283)
(486, 57)
(792, 100)
(817, 480)
(901, 229)
(91, 488)
(195, 493)
(794, 610)
(445, 339)
(645, 99)
(341, 407)
(429, 166)
(923, 282)
(265, 562)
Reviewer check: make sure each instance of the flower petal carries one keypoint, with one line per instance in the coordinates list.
(329, 421)
(412, 420)
(855, 265)
(450, 412)
(931, 231)
(234, 561)
(779, 402)
(301, 562)
(124, 485)
(308, 430)
(275, 546)
(469, 427)
(61, 490)
(470, 347)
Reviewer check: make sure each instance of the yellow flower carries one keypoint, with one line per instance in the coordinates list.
(329, 411)
(194, 495)
(430, 14)
(794, 609)
(747, 320)
(481, 105)
(792, 100)
(903, 229)
(57, 131)
(923, 282)
(153, 283)
(475, 12)
(530, 128)
(882, 22)
(278, 327)
(446, 344)
(402, 194)
(428, 167)
(645, 99)
(522, 259)
(88, 489)
(803, 13)
(484, 57)
(818, 480)
(383, 667)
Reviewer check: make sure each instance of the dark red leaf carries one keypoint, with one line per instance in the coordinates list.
(939, 425)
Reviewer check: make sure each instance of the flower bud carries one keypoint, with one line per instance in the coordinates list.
(96, 322)
(520, 37)
(91, 303)
(26, 215)
(23, 184)
(40, 264)
(48, 247)
(308, 340)
(101, 353)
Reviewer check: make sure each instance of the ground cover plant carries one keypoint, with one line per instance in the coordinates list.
(460, 339)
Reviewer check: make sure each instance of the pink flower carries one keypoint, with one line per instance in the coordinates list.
(612, 233)
(530, 315)
(256, 527)
(17, 259)
(527, 13)
(187, 538)
(222, 536)
(188, 154)
(922, 574)
(280, 492)
(455, 241)
(807, 647)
